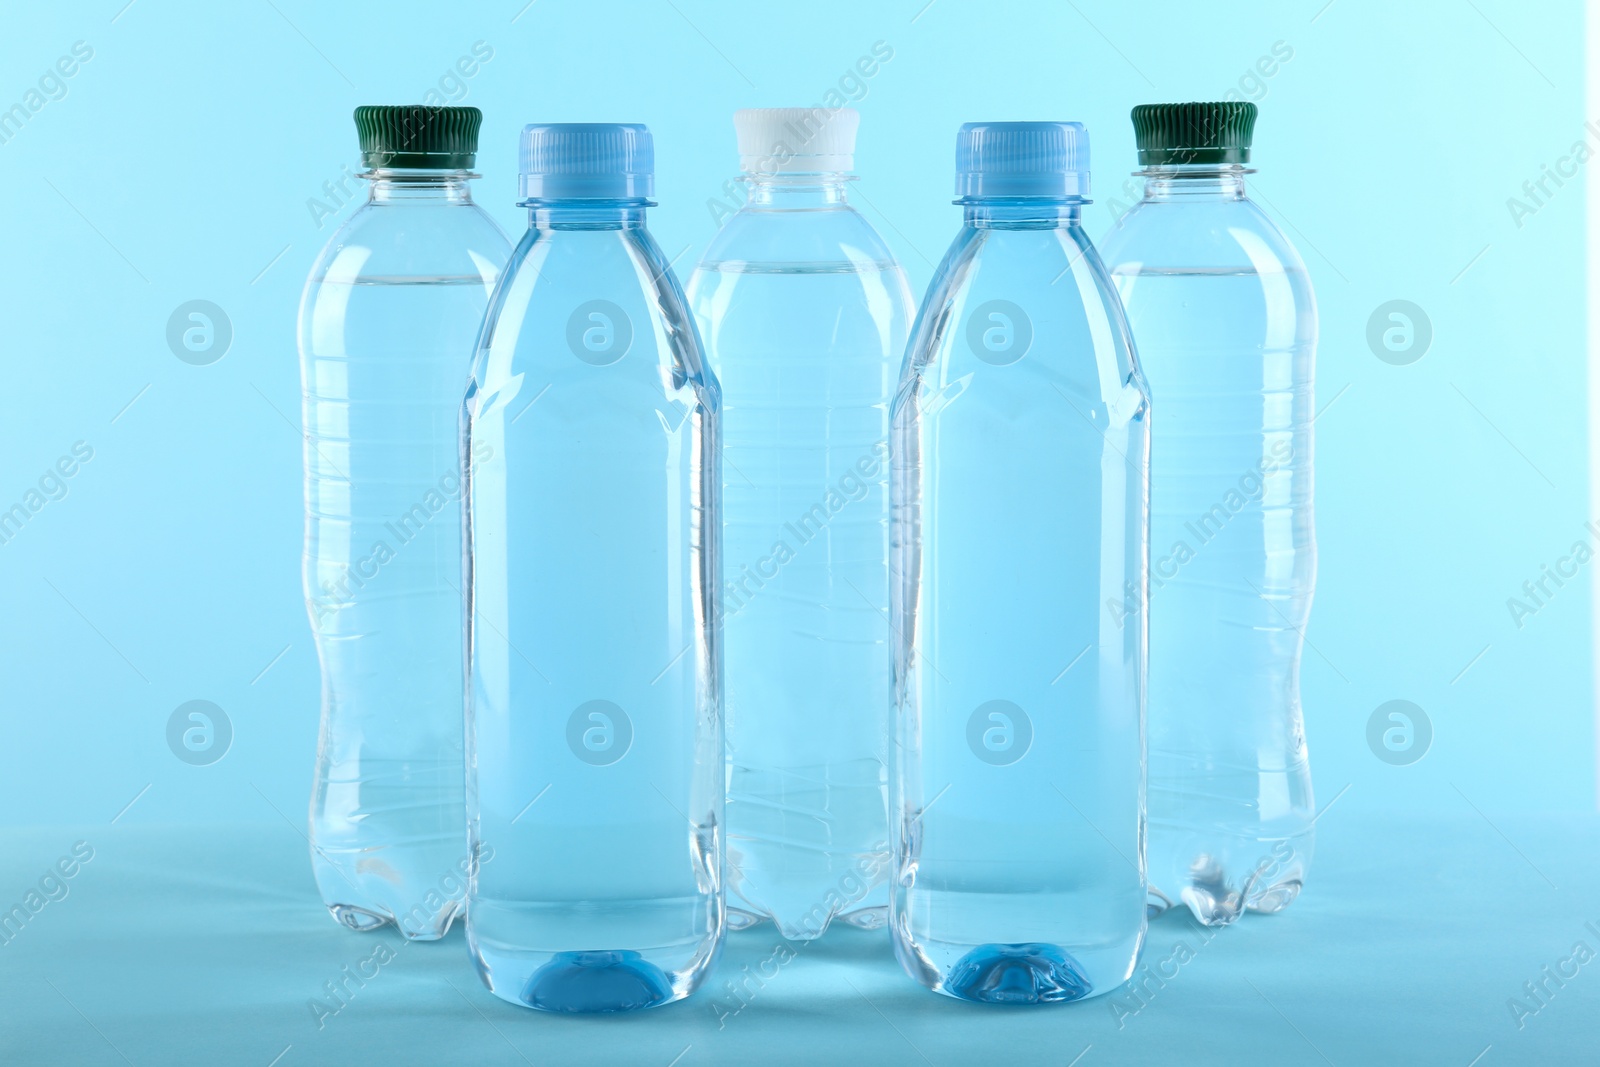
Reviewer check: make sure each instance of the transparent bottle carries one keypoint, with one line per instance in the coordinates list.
(594, 731)
(386, 332)
(804, 312)
(1226, 323)
(1020, 468)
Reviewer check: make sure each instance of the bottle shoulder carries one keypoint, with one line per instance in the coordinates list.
(592, 298)
(1029, 309)
(1050, 267)
(832, 235)
(1231, 249)
(413, 240)
(1175, 236)
(562, 265)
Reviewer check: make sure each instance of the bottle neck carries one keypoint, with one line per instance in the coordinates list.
(398, 186)
(1195, 181)
(797, 192)
(1022, 212)
(586, 214)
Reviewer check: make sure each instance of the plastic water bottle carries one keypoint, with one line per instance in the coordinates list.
(594, 726)
(1226, 323)
(1020, 471)
(386, 333)
(804, 313)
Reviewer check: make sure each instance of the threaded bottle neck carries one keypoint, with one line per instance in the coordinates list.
(586, 214)
(797, 192)
(1197, 181)
(397, 185)
(1022, 213)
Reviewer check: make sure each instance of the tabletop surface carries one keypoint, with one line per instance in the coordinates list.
(1440, 940)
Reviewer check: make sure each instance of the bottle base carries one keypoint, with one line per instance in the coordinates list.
(597, 982)
(740, 919)
(1216, 900)
(367, 888)
(812, 925)
(809, 907)
(873, 918)
(1028, 973)
(1022, 972)
(1275, 898)
(364, 920)
(358, 919)
(555, 956)
(588, 981)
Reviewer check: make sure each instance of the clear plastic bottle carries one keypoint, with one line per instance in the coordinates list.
(594, 730)
(1222, 309)
(1020, 472)
(386, 332)
(805, 313)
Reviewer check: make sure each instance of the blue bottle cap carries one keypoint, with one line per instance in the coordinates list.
(587, 161)
(1022, 159)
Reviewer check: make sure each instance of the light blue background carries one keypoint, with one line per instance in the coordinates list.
(180, 163)
(178, 166)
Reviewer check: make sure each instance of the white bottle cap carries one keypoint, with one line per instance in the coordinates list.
(796, 140)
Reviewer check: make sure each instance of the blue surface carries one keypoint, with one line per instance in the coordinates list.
(181, 945)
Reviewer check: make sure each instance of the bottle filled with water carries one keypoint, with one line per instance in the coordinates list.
(1227, 325)
(1020, 468)
(805, 313)
(386, 333)
(594, 732)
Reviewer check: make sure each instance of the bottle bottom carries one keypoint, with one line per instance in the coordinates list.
(803, 890)
(369, 889)
(358, 919)
(1227, 836)
(1029, 973)
(873, 917)
(808, 844)
(364, 919)
(418, 888)
(1023, 972)
(1091, 941)
(533, 954)
(586, 982)
(1241, 873)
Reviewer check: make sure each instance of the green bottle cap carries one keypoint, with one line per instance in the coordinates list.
(1172, 134)
(418, 136)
